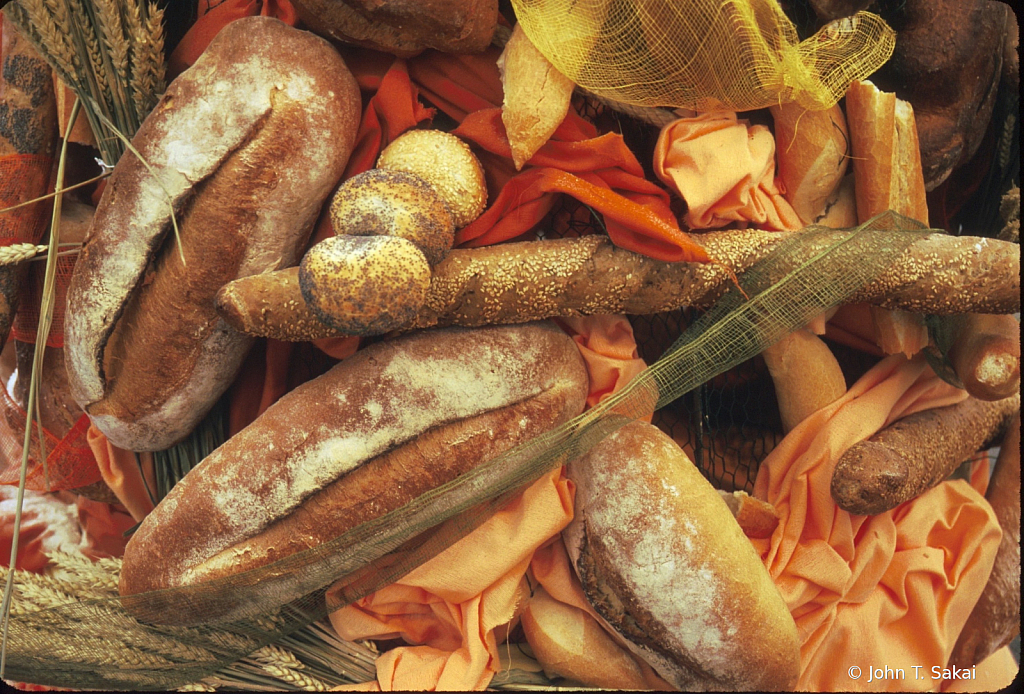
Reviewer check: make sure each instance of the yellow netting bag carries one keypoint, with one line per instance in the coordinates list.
(703, 54)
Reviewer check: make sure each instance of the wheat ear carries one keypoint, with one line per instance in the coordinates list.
(20, 252)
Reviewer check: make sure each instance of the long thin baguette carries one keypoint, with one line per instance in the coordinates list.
(995, 619)
(806, 374)
(915, 454)
(520, 282)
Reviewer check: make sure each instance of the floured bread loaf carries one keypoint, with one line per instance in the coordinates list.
(393, 421)
(246, 145)
(664, 562)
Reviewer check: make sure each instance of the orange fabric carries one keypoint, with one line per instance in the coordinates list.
(121, 472)
(909, 578)
(214, 18)
(724, 169)
(599, 171)
(69, 462)
(392, 110)
(451, 606)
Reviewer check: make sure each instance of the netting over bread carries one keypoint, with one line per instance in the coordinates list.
(703, 54)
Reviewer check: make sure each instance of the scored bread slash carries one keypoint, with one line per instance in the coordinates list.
(391, 422)
(245, 145)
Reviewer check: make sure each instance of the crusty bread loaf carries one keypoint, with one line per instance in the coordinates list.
(404, 27)
(813, 152)
(393, 421)
(915, 453)
(986, 355)
(663, 561)
(886, 153)
(537, 96)
(806, 374)
(995, 619)
(247, 144)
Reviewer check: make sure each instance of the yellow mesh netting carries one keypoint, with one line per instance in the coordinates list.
(703, 54)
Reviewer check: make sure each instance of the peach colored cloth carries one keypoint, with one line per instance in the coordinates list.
(888, 590)
(451, 606)
(724, 169)
(122, 474)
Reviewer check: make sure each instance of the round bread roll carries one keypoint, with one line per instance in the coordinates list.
(394, 203)
(664, 563)
(364, 285)
(447, 163)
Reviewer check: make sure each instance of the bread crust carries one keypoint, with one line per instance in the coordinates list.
(247, 144)
(393, 421)
(663, 561)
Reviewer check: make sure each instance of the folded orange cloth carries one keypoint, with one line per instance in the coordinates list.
(451, 606)
(888, 590)
(126, 475)
(598, 170)
(724, 169)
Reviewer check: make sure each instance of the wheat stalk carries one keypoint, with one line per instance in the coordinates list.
(42, 21)
(149, 73)
(20, 252)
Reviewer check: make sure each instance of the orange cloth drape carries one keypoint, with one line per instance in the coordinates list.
(888, 590)
(453, 607)
(724, 169)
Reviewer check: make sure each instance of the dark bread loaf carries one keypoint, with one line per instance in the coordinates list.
(665, 564)
(395, 420)
(247, 144)
(404, 27)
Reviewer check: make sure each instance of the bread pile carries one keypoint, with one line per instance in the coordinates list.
(201, 245)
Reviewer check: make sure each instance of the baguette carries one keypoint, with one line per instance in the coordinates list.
(756, 518)
(986, 355)
(537, 96)
(915, 453)
(813, 154)
(664, 563)
(278, 110)
(519, 282)
(995, 619)
(393, 421)
(28, 140)
(807, 376)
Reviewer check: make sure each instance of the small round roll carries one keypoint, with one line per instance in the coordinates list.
(364, 285)
(394, 203)
(447, 163)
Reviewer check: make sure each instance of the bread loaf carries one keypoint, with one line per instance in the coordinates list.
(663, 562)
(806, 374)
(915, 453)
(986, 355)
(995, 619)
(404, 27)
(391, 422)
(519, 282)
(246, 144)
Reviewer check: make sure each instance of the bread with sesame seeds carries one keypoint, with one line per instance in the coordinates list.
(518, 282)
(364, 285)
(246, 145)
(665, 564)
(382, 427)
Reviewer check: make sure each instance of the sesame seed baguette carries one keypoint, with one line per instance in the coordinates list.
(915, 453)
(520, 282)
